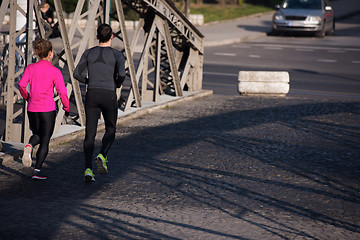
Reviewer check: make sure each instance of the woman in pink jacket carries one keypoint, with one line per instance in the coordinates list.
(41, 77)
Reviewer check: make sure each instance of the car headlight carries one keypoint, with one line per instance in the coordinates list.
(279, 16)
(313, 19)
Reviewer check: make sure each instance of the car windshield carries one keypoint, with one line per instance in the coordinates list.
(302, 4)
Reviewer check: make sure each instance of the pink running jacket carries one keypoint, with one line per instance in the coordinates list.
(42, 77)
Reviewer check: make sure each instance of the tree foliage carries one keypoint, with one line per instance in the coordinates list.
(70, 5)
(267, 3)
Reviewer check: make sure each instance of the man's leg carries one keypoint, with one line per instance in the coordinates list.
(109, 111)
(92, 112)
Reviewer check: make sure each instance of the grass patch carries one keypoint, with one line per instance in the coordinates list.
(214, 12)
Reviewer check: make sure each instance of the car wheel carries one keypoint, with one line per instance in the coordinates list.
(274, 32)
(320, 34)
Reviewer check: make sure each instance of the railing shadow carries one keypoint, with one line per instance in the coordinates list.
(210, 163)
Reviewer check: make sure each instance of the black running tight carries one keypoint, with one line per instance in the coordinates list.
(42, 127)
(105, 102)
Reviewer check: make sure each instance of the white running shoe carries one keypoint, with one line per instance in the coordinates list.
(26, 158)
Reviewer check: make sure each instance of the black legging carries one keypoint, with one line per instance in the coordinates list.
(104, 101)
(42, 127)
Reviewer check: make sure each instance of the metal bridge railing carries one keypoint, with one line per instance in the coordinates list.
(170, 62)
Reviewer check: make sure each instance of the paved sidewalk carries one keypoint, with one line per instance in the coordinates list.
(220, 167)
(239, 30)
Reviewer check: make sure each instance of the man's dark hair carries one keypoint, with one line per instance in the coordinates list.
(104, 32)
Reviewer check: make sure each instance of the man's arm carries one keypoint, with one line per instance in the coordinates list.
(81, 71)
(120, 69)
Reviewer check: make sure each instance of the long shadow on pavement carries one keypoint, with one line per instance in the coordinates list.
(241, 172)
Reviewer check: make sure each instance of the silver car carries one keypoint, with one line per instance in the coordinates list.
(315, 16)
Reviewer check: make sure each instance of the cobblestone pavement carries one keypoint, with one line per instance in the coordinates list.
(220, 167)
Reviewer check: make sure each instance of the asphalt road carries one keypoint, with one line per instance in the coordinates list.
(320, 67)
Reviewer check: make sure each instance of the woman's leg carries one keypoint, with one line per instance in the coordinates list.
(47, 123)
(34, 139)
(34, 122)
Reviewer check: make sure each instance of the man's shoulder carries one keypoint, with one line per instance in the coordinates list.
(115, 50)
(118, 53)
(91, 49)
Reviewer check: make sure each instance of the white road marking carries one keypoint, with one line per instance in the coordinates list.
(308, 47)
(254, 56)
(225, 54)
(273, 48)
(337, 51)
(356, 62)
(241, 46)
(304, 50)
(327, 60)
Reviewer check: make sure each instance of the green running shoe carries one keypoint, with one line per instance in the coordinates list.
(101, 163)
(89, 175)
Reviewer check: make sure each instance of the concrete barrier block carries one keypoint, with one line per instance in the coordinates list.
(196, 19)
(263, 83)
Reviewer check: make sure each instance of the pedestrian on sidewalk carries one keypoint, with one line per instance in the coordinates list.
(102, 68)
(41, 77)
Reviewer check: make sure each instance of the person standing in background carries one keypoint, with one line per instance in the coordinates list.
(47, 13)
(41, 77)
(102, 68)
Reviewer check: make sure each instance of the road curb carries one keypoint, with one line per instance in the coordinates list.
(234, 40)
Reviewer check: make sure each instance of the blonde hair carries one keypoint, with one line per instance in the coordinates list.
(42, 47)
